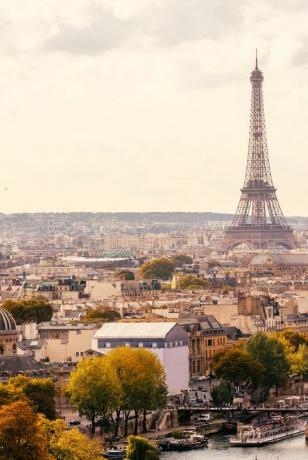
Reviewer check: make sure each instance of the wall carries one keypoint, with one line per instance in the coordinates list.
(100, 290)
(175, 362)
(224, 313)
(61, 350)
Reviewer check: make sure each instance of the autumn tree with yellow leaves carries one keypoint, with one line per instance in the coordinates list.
(66, 444)
(125, 381)
(27, 435)
(143, 385)
(21, 436)
(94, 389)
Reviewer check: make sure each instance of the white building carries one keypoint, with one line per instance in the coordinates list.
(167, 340)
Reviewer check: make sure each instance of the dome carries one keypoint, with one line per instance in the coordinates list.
(7, 322)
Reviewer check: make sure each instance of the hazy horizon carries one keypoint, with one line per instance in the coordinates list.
(132, 105)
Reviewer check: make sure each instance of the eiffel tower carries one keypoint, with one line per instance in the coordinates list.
(258, 221)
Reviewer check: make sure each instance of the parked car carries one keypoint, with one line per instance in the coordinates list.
(74, 422)
(204, 418)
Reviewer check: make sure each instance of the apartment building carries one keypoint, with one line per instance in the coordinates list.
(206, 337)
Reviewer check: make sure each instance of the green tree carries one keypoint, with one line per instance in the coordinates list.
(181, 259)
(157, 268)
(140, 448)
(222, 394)
(126, 275)
(21, 436)
(94, 389)
(101, 315)
(269, 352)
(40, 392)
(192, 282)
(23, 311)
(237, 366)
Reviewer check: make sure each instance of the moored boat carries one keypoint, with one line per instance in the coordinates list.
(268, 432)
(194, 442)
(118, 454)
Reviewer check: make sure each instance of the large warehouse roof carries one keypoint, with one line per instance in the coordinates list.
(135, 330)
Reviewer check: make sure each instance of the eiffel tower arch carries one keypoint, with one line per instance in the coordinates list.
(258, 221)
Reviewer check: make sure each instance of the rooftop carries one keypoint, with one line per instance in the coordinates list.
(135, 330)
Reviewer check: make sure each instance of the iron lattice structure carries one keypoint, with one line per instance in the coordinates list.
(259, 221)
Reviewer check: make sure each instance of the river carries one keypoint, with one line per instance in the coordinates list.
(218, 449)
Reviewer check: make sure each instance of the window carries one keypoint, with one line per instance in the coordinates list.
(107, 345)
(209, 342)
(77, 353)
(140, 345)
(154, 345)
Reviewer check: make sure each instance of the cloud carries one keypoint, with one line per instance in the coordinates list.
(300, 57)
(148, 99)
(103, 32)
(183, 20)
(169, 22)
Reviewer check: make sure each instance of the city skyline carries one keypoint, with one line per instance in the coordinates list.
(144, 106)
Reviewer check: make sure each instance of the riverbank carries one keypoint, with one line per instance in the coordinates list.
(210, 428)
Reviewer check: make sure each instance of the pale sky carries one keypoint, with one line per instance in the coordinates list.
(143, 105)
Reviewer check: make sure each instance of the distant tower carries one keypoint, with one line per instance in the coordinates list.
(258, 221)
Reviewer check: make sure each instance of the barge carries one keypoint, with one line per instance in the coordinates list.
(268, 432)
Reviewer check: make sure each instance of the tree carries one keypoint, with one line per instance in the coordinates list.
(23, 311)
(6, 395)
(21, 436)
(69, 445)
(222, 394)
(101, 315)
(181, 259)
(94, 389)
(270, 353)
(142, 381)
(140, 448)
(299, 361)
(73, 445)
(40, 392)
(295, 339)
(150, 393)
(237, 366)
(126, 275)
(157, 268)
(192, 282)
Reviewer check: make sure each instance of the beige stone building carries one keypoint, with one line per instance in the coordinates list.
(206, 337)
(8, 334)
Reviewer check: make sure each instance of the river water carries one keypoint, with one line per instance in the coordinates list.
(219, 449)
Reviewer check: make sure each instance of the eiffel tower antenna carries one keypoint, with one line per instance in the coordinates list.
(258, 221)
